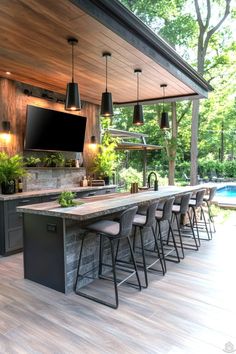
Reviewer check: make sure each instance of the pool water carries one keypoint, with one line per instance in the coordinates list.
(226, 192)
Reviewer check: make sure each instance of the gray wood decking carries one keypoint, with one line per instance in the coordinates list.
(190, 310)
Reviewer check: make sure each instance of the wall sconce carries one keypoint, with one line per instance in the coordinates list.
(6, 132)
(93, 143)
(93, 139)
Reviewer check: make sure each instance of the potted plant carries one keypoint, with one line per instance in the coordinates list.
(32, 161)
(54, 160)
(106, 159)
(66, 199)
(11, 168)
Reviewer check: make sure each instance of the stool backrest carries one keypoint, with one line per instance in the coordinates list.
(184, 203)
(126, 221)
(212, 193)
(150, 216)
(167, 209)
(199, 197)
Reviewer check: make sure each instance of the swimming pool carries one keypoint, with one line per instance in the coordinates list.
(226, 195)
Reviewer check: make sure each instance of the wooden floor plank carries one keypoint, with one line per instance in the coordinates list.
(190, 310)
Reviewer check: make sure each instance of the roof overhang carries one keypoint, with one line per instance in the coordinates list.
(33, 36)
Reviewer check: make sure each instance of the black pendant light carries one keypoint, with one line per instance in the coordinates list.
(164, 116)
(106, 102)
(138, 108)
(72, 91)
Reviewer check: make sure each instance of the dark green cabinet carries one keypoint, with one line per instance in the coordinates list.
(11, 230)
(11, 235)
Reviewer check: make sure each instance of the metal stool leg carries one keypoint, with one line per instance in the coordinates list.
(161, 243)
(195, 222)
(79, 262)
(205, 223)
(114, 274)
(173, 239)
(144, 260)
(134, 263)
(158, 251)
(192, 229)
(180, 235)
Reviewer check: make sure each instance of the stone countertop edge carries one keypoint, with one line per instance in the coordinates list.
(45, 192)
(94, 209)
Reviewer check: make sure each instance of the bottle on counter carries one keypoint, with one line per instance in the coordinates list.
(85, 182)
(20, 185)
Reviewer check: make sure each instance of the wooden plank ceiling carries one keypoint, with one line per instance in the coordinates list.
(34, 48)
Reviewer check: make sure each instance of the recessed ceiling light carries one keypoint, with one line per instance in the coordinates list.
(8, 72)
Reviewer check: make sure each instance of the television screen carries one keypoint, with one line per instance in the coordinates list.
(54, 131)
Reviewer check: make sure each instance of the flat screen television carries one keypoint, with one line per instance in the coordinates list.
(50, 130)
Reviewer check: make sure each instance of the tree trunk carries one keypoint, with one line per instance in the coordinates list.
(194, 142)
(173, 148)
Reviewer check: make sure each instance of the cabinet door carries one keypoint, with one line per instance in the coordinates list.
(13, 223)
(50, 198)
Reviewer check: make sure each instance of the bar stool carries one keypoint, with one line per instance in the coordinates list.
(166, 215)
(180, 210)
(197, 203)
(147, 221)
(208, 198)
(111, 230)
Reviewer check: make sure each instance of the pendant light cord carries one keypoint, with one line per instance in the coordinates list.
(163, 98)
(72, 62)
(137, 87)
(106, 73)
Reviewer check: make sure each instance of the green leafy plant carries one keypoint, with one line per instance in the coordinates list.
(54, 160)
(106, 160)
(11, 167)
(66, 199)
(32, 161)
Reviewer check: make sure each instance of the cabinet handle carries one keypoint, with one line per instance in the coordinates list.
(24, 201)
(53, 198)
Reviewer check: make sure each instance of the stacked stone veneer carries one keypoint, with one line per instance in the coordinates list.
(90, 256)
(55, 177)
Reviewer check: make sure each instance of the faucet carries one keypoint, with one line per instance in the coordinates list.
(155, 181)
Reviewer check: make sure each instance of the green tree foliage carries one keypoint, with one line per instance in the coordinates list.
(175, 21)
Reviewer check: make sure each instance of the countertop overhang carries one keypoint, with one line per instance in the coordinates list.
(105, 205)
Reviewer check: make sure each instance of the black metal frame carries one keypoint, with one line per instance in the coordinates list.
(113, 265)
(182, 234)
(143, 250)
(167, 256)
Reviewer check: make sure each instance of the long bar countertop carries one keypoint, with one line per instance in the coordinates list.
(97, 206)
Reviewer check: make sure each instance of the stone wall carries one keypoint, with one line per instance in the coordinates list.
(49, 178)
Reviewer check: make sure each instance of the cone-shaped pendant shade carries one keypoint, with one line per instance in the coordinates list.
(107, 105)
(164, 121)
(138, 115)
(73, 102)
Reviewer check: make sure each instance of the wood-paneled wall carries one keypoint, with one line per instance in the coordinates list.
(13, 105)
